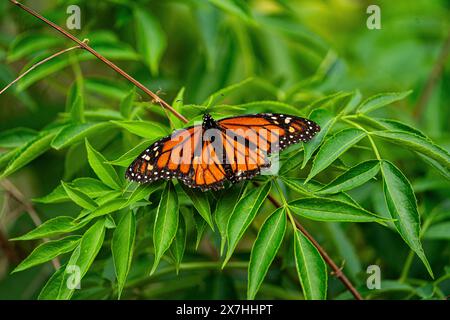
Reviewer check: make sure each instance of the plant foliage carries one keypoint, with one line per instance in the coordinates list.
(372, 186)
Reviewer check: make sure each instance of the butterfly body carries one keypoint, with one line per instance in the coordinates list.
(232, 149)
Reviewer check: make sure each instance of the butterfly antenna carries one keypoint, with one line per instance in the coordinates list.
(154, 101)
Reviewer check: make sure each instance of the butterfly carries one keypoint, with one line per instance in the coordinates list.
(207, 155)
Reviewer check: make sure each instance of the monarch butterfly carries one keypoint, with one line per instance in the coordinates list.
(207, 155)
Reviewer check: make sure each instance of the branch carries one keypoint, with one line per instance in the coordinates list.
(85, 46)
(16, 194)
(37, 65)
(337, 271)
(9, 250)
(433, 78)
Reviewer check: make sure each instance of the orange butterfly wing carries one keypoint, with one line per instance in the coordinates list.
(184, 156)
(263, 134)
(242, 148)
(164, 159)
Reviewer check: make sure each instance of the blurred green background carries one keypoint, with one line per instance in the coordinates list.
(295, 52)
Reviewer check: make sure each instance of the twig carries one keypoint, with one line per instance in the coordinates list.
(16, 194)
(433, 78)
(13, 191)
(34, 66)
(337, 271)
(85, 46)
(9, 250)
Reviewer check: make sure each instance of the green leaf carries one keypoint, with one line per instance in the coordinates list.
(48, 251)
(30, 151)
(145, 129)
(74, 91)
(179, 244)
(93, 188)
(236, 7)
(222, 93)
(381, 100)
(323, 209)
(53, 285)
(418, 144)
(73, 133)
(394, 125)
(311, 188)
(108, 197)
(142, 191)
(82, 258)
(243, 214)
(201, 203)
(44, 70)
(79, 197)
(166, 223)
(52, 227)
(110, 223)
(353, 177)
(265, 249)
(5, 157)
(299, 185)
(435, 164)
(439, 231)
(261, 106)
(332, 101)
(333, 148)
(128, 157)
(16, 137)
(311, 268)
(126, 104)
(150, 38)
(106, 87)
(325, 119)
(102, 114)
(208, 27)
(107, 207)
(77, 109)
(122, 248)
(109, 48)
(200, 227)
(402, 205)
(224, 208)
(28, 43)
(103, 170)
(177, 104)
(345, 248)
(353, 103)
(292, 162)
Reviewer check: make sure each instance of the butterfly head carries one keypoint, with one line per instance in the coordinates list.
(208, 121)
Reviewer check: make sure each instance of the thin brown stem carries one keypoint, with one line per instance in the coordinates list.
(16, 194)
(113, 66)
(8, 249)
(337, 271)
(433, 78)
(34, 66)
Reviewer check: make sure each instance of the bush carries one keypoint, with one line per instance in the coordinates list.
(370, 189)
